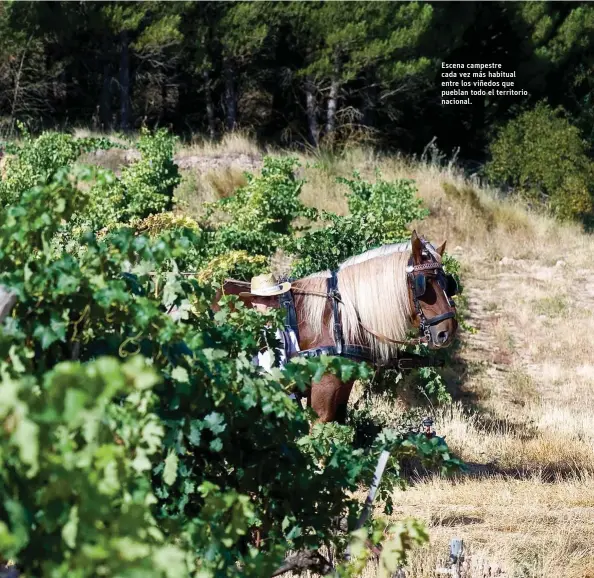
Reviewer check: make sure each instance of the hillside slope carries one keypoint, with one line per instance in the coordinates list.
(524, 416)
(523, 410)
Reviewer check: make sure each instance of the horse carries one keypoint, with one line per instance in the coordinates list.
(364, 309)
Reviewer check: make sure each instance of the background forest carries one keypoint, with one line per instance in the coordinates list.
(290, 72)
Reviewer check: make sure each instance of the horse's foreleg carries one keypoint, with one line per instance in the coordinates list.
(343, 401)
(329, 399)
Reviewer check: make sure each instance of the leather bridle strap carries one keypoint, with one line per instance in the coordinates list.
(439, 318)
(335, 296)
(385, 339)
(424, 266)
(411, 269)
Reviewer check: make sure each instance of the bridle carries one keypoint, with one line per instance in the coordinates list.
(416, 275)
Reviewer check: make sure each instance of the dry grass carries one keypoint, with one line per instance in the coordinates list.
(226, 181)
(233, 144)
(528, 527)
(198, 188)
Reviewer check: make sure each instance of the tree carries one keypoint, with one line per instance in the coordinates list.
(562, 47)
(544, 158)
(377, 42)
(141, 32)
(24, 76)
(246, 32)
(202, 53)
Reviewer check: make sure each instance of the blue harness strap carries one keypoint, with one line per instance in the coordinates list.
(334, 295)
(288, 303)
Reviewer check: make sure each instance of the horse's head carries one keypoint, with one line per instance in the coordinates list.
(431, 290)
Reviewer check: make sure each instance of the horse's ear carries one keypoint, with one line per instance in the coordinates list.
(417, 247)
(441, 249)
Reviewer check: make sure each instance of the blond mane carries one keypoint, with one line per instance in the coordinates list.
(374, 291)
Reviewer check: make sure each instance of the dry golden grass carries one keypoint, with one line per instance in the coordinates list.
(198, 188)
(225, 182)
(527, 527)
(232, 144)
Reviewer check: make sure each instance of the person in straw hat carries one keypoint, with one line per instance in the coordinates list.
(263, 294)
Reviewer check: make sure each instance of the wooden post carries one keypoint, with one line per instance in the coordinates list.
(456, 559)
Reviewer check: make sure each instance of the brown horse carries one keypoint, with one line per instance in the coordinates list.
(364, 309)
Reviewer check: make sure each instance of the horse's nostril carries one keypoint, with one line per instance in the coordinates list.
(442, 336)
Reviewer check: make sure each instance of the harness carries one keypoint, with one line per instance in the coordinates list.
(356, 352)
(288, 304)
(416, 276)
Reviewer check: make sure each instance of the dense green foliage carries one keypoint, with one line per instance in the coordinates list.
(144, 187)
(260, 215)
(259, 219)
(74, 503)
(543, 157)
(35, 160)
(147, 186)
(138, 443)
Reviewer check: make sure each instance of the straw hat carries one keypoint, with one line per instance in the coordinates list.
(266, 286)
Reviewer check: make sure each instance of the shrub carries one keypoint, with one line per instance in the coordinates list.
(148, 183)
(543, 158)
(234, 264)
(260, 215)
(380, 213)
(36, 160)
(64, 467)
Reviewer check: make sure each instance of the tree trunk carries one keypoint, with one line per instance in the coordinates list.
(17, 85)
(210, 114)
(105, 101)
(124, 82)
(370, 99)
(333, 99)
(311, 109)
(230, 95)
